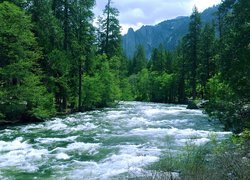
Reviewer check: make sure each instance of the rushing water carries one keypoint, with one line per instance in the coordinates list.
(101, 144)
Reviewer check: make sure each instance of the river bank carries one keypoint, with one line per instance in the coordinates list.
(22, 118)
(227, 159)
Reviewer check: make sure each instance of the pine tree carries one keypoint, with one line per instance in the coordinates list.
(193, 41)
(54, 63)
(154, 61)
(139, 60)
(206, 68)
(234, 63)
(83, 38)
(182, 69)
(160, 60)
(109, 36)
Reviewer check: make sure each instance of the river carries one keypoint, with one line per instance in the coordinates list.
(102, 144)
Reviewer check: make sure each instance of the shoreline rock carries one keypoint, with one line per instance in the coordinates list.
(192, 105)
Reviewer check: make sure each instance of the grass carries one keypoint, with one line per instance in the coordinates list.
(216, 160)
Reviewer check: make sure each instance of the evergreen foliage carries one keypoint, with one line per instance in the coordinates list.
(20, 83)
(54, 60)
(108, 33)
(193, 38)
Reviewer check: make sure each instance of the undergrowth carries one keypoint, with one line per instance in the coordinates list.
(216, 160)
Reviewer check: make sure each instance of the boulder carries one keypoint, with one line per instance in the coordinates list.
(192, 105)
(202, 103)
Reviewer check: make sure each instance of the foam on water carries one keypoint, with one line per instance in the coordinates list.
(137, 122)
(80, 146)
(114, 115)
(52, 140)
(13, 145)
(77, 147)
(62, 156)
(149, 131)
(125, 161)
(28, 159)
(103, 144)
(84, 127)
(32, 127)
(152, 112)
(109, 167)
(56, 125)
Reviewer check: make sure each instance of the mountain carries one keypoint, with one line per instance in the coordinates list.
(168, 33)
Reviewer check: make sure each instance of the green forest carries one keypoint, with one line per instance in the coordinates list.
(54, 61)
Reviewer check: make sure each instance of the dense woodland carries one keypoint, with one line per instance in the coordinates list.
(54, 61)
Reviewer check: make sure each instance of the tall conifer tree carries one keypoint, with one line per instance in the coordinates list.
(193, 40)
(109, 35)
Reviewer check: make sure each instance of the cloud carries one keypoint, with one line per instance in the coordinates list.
(135, 13)
(125, 27)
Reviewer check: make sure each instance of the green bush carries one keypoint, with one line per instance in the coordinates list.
(225, 105)
(12, 111)
(215, 160)
(101, 89)
(2, 117)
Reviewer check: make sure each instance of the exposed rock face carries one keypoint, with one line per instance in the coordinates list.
(168, 33)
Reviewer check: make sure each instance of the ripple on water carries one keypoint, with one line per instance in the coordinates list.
(111, 166)
(152, 132)
(166, 111)
(53, 140)
(83, 127)
(13, 145)
(27, 159)
(78, 147)
(56, 125)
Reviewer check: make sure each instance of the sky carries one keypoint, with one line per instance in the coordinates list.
(135, 13)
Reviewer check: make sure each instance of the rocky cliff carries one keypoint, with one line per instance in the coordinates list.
(168, 33)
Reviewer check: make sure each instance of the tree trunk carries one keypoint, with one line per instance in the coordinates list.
(80, 86)
(107, 28)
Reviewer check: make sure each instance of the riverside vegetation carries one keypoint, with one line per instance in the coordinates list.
(54, 61)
